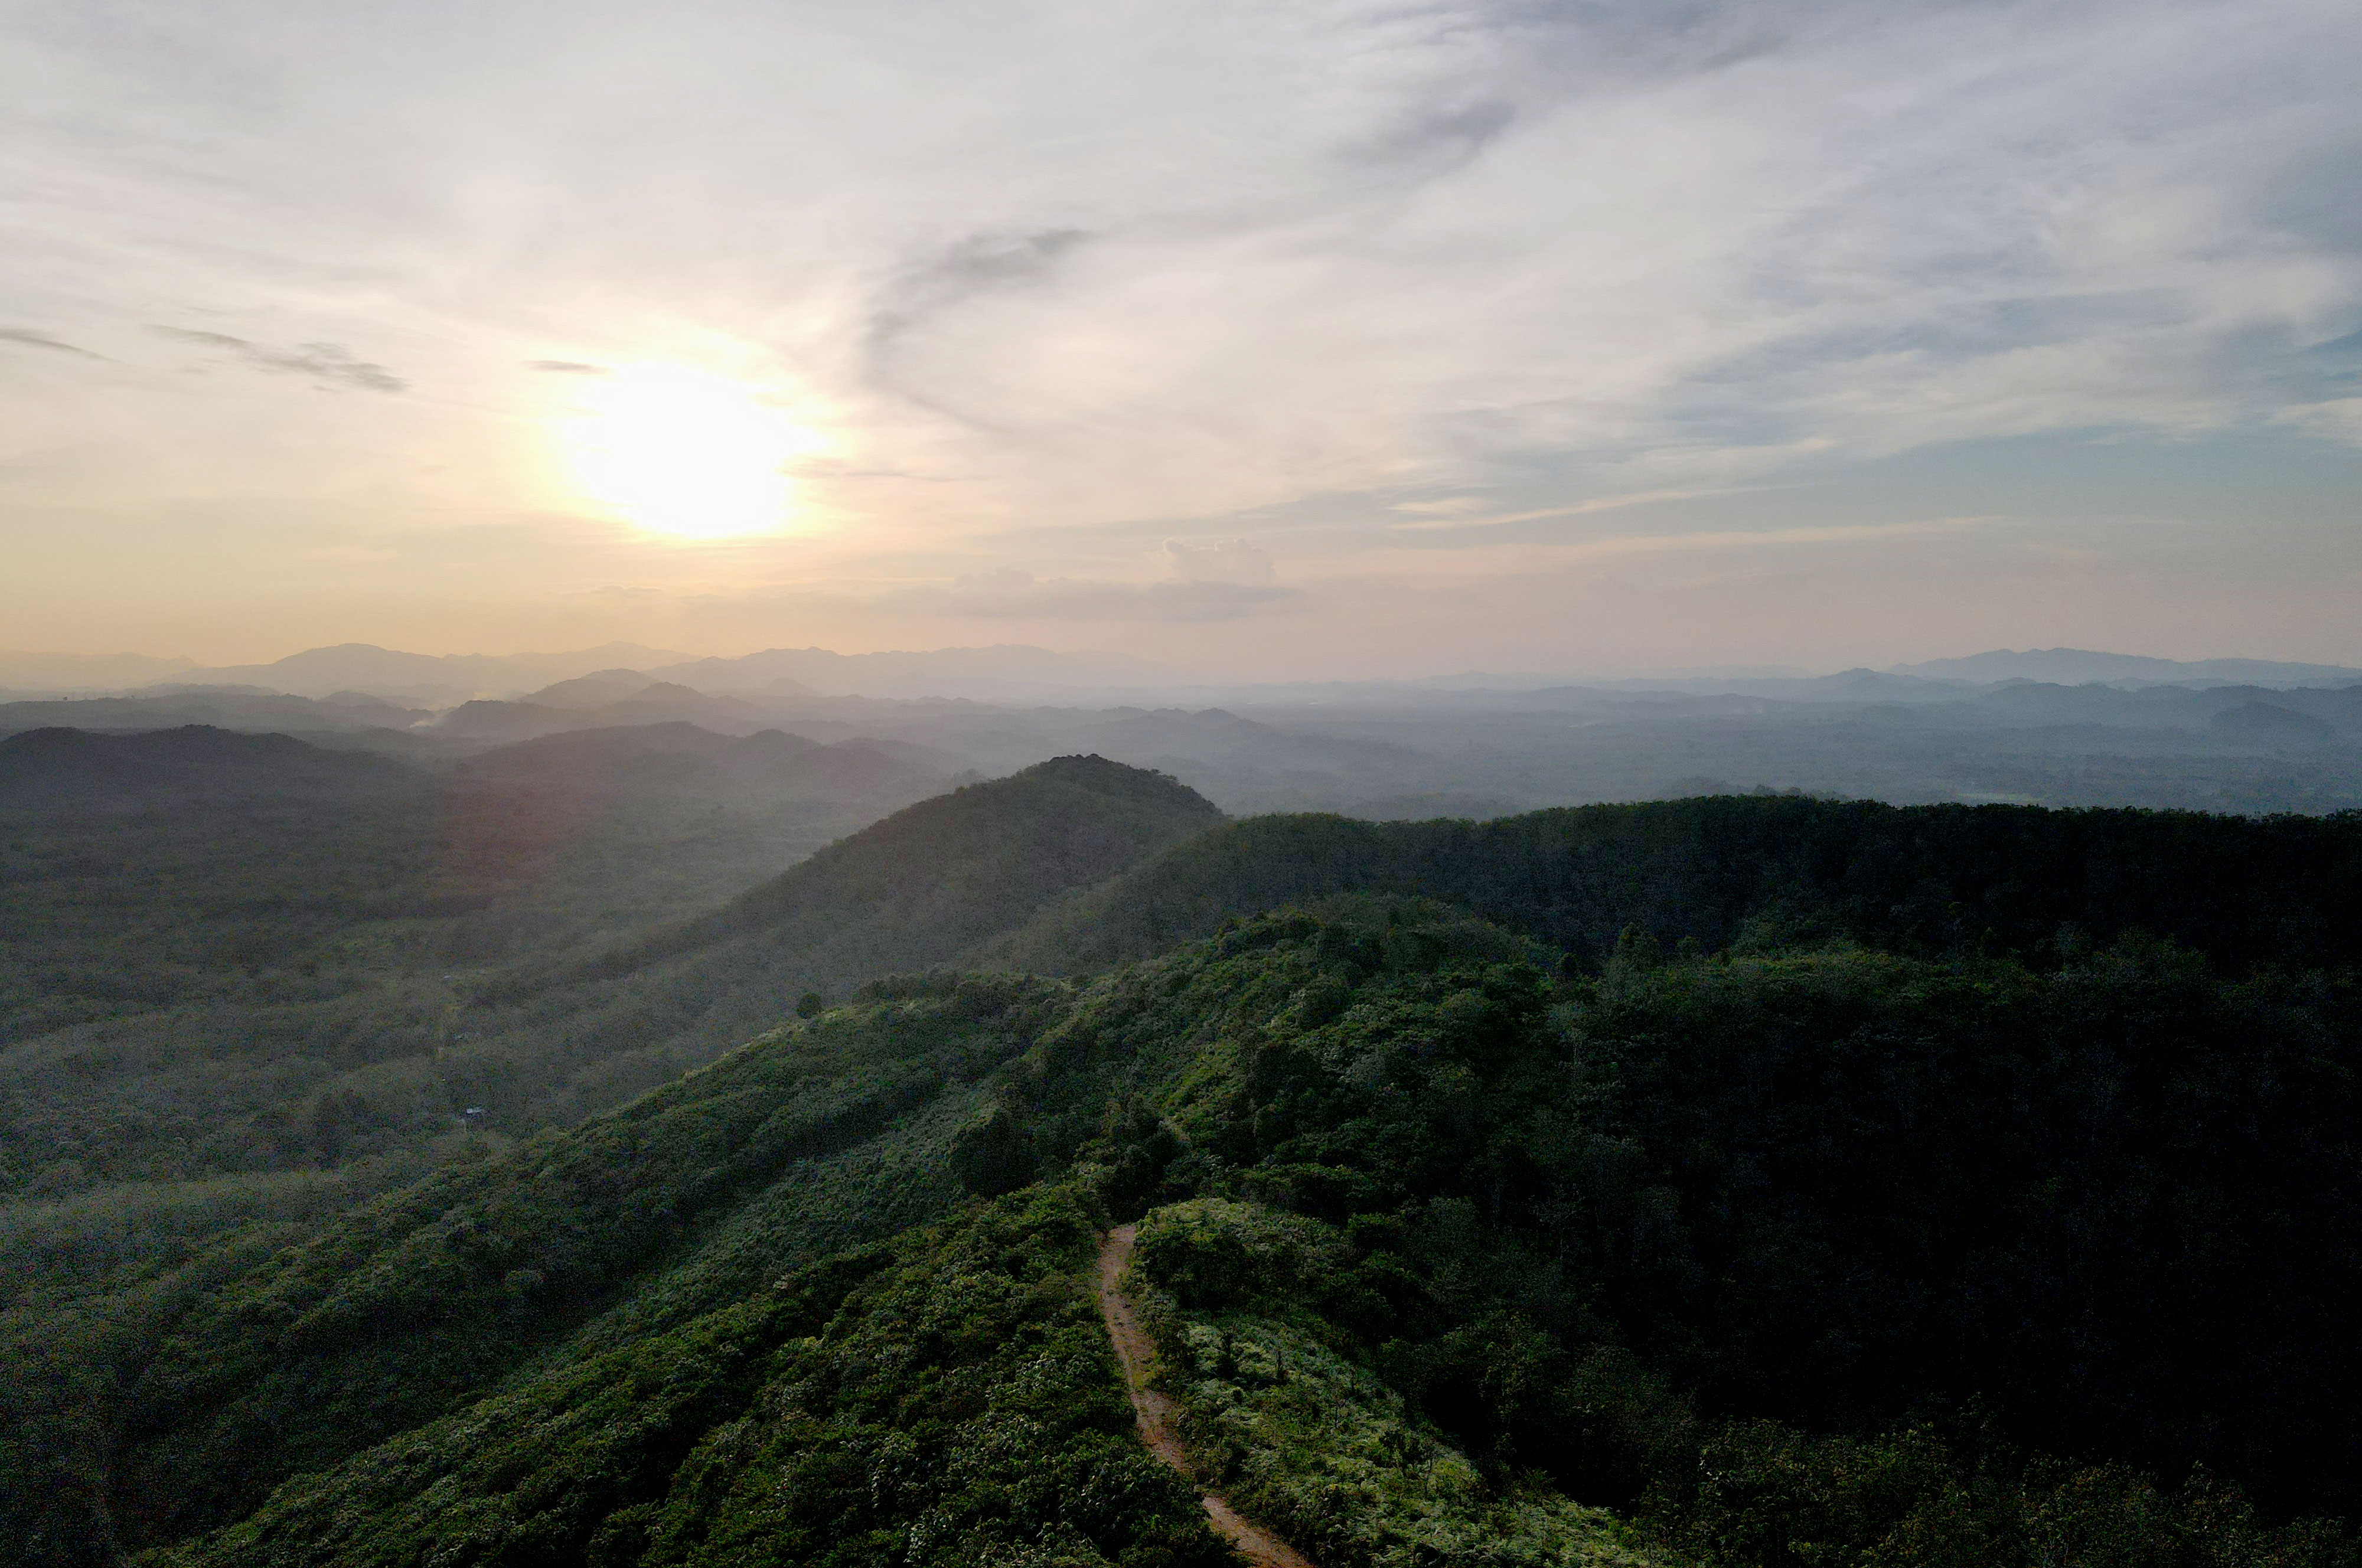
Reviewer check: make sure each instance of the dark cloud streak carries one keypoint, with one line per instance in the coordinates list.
(980, 264)
(326, 361)
(32, 339)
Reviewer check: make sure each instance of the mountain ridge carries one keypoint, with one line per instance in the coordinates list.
(2075, 667)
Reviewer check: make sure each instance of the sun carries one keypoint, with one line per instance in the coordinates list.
(687, 453)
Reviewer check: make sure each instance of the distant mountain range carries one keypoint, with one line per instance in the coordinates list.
(64, 769)
(425, 677)
(2079, 666)
(425, 680)
(1003, 671)
(593, 678)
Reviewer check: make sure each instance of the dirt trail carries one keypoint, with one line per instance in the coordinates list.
(1159, 1420)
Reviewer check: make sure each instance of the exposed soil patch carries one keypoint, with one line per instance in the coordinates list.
(1159, 1420)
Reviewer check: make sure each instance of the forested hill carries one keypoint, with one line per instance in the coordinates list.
(65, 769)
(682, 762)
(1819, 1255)
(961, 864)
(913, 891)
(1762, 1183)
(931, 881)
(1726, 869)
(261, 1009)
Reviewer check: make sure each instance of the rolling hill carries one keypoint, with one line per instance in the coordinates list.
(913, 893)
(1725, 1182)
(1808, 1254)
(253, 997)
(54, 769)
(682, 762)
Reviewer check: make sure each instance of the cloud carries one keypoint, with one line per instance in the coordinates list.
(33, 339)
(322, 361)
(1450, 512)
(1436, 141)
(1373, 284)
(1717, 540)
(1233, 561)
(1222, 579)
(1018, 595)
(941, 282)
(1004, 593)
(620, 593)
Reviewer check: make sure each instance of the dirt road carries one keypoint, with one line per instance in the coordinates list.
(1159, 1421)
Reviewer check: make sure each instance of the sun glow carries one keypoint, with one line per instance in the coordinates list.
(687, 454)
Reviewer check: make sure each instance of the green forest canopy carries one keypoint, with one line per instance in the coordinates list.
(1799, 1181)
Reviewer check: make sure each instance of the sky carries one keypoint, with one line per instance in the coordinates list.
(1292, 339)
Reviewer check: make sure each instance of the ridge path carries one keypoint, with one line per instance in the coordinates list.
(1158, 1416)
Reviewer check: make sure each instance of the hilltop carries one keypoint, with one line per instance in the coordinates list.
(267, 1004)
(908, 893)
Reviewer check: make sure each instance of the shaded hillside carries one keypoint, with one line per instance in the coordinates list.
(680, 761)
(2271, 724)
(50, 771)
(707, 1188)
(931, 881)
(1808, 1255)
(909, 893)
(592, 691)
(942, 1402)
(231, 986)
(486, 719)
(2278, 890)
(368, 721)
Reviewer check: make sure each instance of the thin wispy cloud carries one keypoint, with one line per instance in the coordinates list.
(29, 338)
(1452, 519)
(1015, 595)
(329, 363)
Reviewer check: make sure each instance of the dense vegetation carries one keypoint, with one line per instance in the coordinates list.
(1715, 871)
(1765, 1181)
(186, 1400)
(269, 1007)
(1949, 1215)
(942, 1402)
(944, 875)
